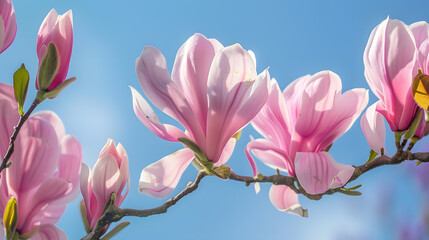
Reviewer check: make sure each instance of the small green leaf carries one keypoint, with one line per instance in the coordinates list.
(116, 230)
(414, 125)
(8, 164)
(10, 217)
(84, 217)
(199, 154)
(20, 86)
(418, 163)
(48, 68)
(372, 155)
(237, 135)
(110, 202)
(352, 188)
(222, 172)
(350, 193)
(328, 148)
(54, 92)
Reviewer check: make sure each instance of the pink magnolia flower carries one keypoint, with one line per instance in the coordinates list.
(44, 174)
(214, 91)
(373, 128)
(57, 29)
(7, 24)
(110, 174)
(391, 63)
(297, 126)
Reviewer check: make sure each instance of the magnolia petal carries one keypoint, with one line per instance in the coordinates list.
(372, 124)
(49, 232)
(227, 152)
(35, 157)
(235, 96)
(156, 83)
(318, 172)
(125, 173)
(147, 116)
(106, 178)
(54, 120)
(269, 154)
(160, 178)
(286, 200)
(420, 32)
(274, 116)
(8, 24)
(191, 70)
(85, 188)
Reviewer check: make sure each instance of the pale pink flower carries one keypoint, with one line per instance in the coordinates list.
(391, 63)
(7, 24)
(57, 29)
(372, 124)
(297, 126)
(44, 174)
(110, 174)
(214, 91)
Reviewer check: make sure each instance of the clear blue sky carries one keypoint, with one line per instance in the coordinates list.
(293, 38)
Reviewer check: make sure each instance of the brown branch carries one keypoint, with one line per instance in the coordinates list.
(399, 157)
(115, 214)
(17, 128)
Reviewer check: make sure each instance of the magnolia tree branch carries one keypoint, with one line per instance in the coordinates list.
(17, 128)
(399, 157)
(115, 214)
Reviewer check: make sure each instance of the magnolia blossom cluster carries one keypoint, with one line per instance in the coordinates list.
(213, 92)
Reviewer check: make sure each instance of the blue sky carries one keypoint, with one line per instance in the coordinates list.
(293, 38)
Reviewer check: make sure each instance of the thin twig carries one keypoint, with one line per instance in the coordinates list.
(17, 128)
(115, 214)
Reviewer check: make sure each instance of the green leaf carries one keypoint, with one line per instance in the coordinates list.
(199, 154)
(20, 86)
(352, 188)
(350, 193)
(84, 217)
(54, 92)
(418, 163)
(116, 230)
(10, 217)
(414, 125)
(372, 155)
(222, 171)
(49, 67)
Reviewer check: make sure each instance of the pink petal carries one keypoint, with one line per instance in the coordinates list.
(156, 83)
(317, 172)
(49, 232)
(286, 200)
(235, 96)
(420, 32)
(160, 178)
(273, 117)
(50, 192)
(227, 152)
(372, 124)
(9, 117)
(54, 120)
(325, 116)
(191, 70)
(424, 56)
(35, 157)
(106, 179)
(269, 154)
(7, 24)
(147, 116)
(85, 188)
(125, 173)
